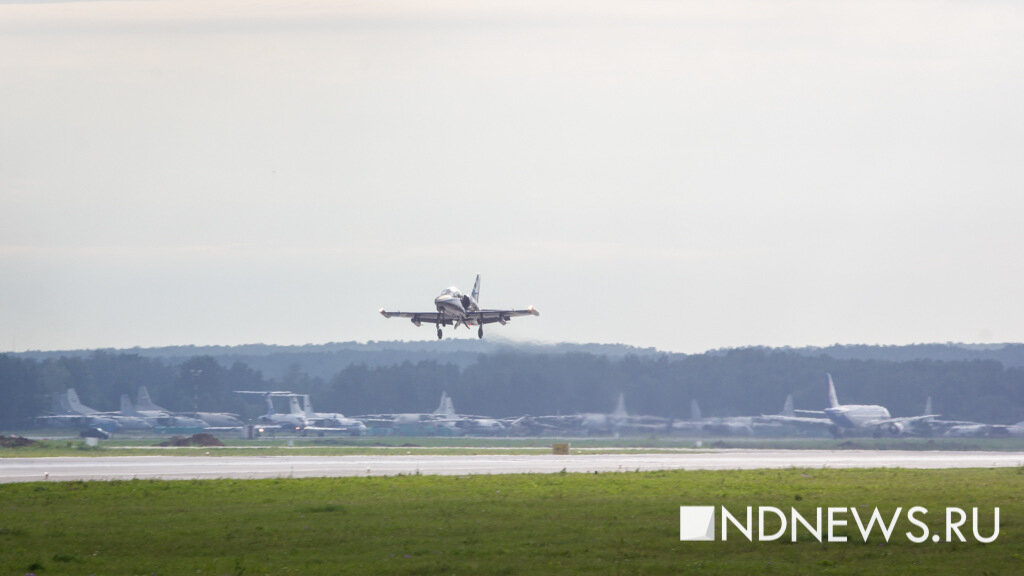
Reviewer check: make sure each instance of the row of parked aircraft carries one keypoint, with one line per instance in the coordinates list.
(142, 415)
(301, 418)
(836, 419)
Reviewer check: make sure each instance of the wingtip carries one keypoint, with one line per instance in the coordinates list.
(384, 314)
(534, 311)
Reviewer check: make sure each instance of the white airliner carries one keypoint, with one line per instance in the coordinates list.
(866, 416)
(455, 308)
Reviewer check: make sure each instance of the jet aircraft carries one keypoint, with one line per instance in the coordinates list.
(867, 417)
(723, 425)
(442, 421)
(805, 420)
(468, 423)
(295, 419)
(144, 404)
(320, 422)
(154, 418)
(616, 422)
(70, 411)
(455, 308)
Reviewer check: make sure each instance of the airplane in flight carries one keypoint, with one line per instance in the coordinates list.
(867, 417)
(455, 308)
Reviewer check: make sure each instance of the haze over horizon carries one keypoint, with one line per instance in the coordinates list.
(680, 176)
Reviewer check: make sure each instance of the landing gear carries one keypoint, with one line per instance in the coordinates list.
(480, 332)
(439, 333)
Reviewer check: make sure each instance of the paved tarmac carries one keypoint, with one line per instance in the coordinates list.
(200, 467)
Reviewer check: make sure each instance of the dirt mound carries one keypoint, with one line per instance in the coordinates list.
(202, 439)
(15, 442)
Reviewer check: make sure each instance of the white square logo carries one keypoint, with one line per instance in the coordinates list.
(697, 523)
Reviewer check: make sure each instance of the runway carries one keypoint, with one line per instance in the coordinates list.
(246, 467)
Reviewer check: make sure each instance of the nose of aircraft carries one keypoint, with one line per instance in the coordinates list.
(449, 301)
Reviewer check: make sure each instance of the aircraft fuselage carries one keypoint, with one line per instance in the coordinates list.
(454, 304)
(856, 416)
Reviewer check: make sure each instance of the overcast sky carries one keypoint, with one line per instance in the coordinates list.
(684, 175)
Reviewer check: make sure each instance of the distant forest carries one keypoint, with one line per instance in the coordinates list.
(981, 383)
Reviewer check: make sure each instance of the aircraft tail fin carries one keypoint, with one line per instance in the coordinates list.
(694, 410)
(833, 400)
(476, 290)
(307, 406)
(76, 405)
(60, 404)
(787, 407)
(620, 407)
(144, 402)
(928, 406)
(126, 406)
(270, 404)
(445, 407)
(293, 406)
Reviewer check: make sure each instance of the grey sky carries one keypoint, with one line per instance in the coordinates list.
(686, 175)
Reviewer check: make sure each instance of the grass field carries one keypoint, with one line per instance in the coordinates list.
(383, 445)
(620, 523)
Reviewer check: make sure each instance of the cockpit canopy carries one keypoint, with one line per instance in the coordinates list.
(453, 291)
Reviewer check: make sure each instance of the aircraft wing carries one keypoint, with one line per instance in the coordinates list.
(491, 316)
(474, 317)
(798, 421)
(419, 317)
(904, 419)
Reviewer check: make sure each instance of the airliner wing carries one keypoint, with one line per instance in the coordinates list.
(904, 420)
(798, 421)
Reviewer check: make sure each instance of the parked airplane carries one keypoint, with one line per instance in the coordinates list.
(960, 428)
(154, 418)
(1001, 430)
(468, 423)
(617, 422)
(295, 419)
(870, 417)
(321, 422)
(69, 411)
(144, 404)
(440, 421)
(724, 425)
(806, 420)
(455, 308)
(131, 419)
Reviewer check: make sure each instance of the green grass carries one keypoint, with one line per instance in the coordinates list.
(620, 523)
(384, 445)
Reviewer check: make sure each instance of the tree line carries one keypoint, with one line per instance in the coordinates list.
(732, 382)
